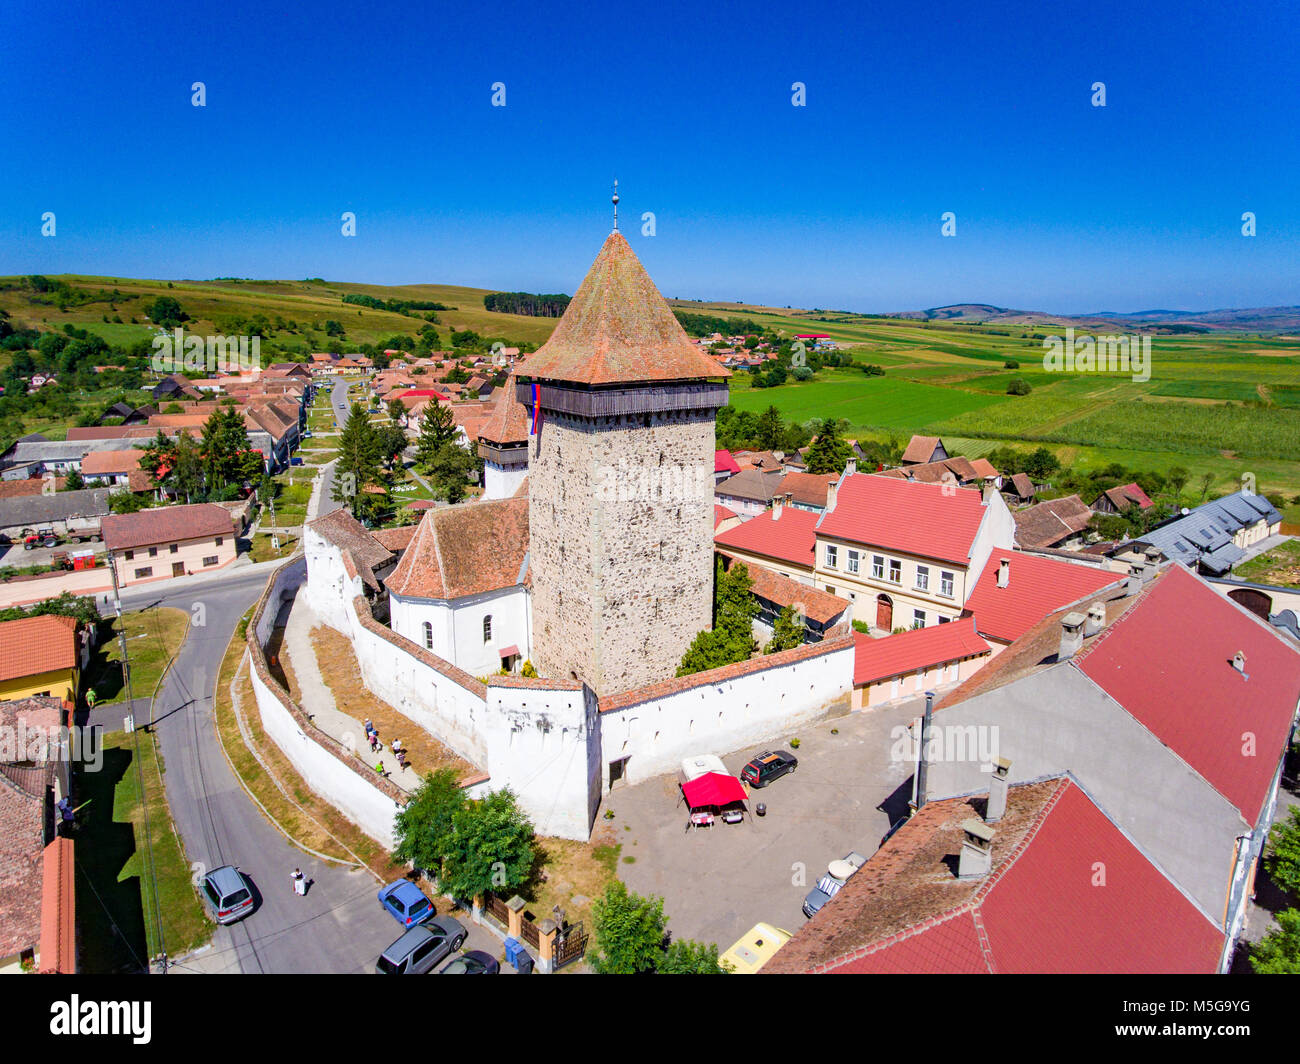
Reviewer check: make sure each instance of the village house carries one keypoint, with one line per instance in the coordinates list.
(1059, 523)
(1211, 538)
(111, 467)
(1117, 500)
(749, 492)
(1016, 590)
(1127, 695)
(906, 664)
(922, 450)
(724, 466)
(38, 931)
(42, 655)
(73, 514)
(991, 885)
(169, 541)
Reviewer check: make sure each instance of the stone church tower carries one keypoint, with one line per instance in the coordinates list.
(620, 482)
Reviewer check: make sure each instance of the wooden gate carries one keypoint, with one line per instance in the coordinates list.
(496, 909)
(570, 944)
(529, 933)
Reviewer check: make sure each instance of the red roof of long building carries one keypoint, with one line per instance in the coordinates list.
(723, 462)
(920, 648)
(1038, 910)
(927, 520)
(789, 538)
(1036, 586)
(1168, 661)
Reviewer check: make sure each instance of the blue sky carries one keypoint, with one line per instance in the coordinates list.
(912, 110)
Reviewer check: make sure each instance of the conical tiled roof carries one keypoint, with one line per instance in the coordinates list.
(509, 421)
(619, 329)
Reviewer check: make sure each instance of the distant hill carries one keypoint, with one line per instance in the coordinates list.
(1256, 319)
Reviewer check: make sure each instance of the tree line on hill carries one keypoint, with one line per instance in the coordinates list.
(397, 306)
(529, 303)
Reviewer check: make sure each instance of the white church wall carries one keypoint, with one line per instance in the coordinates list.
(502, 481)
(457, 626)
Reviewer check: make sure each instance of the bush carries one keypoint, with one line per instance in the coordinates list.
(873, 371)
(1011, 363)
(1018, 386)
(802, 373)
(861, 626)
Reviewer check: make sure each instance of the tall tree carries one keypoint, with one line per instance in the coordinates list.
(770, 429)
(732, 638)
(490, 847)
(449, 470)
(1283, 857)
(437, 429)
(424, 827)
(357, 465)
(228, 456)
(828, 452)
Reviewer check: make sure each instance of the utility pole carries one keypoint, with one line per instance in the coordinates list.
(139, 768)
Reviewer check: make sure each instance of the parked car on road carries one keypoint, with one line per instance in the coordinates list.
(471, 962)
(768, 766)
(422, 947)
(406, 903)
(837, 874)
(228, 893)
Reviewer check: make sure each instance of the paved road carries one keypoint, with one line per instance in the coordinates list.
(338, 926)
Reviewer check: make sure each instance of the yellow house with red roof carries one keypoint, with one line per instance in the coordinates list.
(40, 656)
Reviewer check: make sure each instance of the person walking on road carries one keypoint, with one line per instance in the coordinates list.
(299, 882)
(379, 767)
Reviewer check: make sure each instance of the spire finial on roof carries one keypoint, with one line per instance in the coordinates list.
(614, 200)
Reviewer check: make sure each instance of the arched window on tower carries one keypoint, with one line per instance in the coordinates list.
(428, 635)
(487, 628)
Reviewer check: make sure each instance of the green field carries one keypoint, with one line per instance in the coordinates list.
(1224, 403)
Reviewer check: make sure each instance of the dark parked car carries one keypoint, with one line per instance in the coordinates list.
(471, 962)
(768, 766)
(422, 947)
(406, 903)
(228, 893)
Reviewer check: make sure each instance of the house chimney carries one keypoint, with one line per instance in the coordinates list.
(1096, 620)
(997, 803)
(851, 467)
(1004, 572)
(830, 495)
(1239, 663)
(777, 500)
(1071, 635)
(1136, 578)
(1152, 555)
(922, 766)
(976, 849)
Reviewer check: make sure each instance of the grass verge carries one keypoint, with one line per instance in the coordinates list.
(153, 637)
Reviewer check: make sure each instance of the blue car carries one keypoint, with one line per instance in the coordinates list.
(406, 903)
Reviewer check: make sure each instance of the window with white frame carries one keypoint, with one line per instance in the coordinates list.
(853, 561)
(945, 584)
(918, 618)
(832, 556)
(922, 578)
(895, 571)
(487, 628)
(428, 635)
(878, 566)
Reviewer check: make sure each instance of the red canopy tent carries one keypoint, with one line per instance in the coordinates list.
(713, 789)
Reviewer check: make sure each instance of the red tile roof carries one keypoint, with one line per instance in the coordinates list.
(464, 550)
(22, 823)
(1127, 495)
(920, 648)
(920, 448)
(724, 463)
(30, 646)
(1047, 523)
(820, 607)
(618, 328)
(166, 524)
(1168, 661)
(1039, 910)
(1036, 586)
(809, 489)
(928, 520)
(789, 538)
(720, 514)
(108, 463)
(58, 909)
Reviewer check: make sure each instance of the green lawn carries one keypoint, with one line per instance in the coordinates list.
(117, 906)
(1280, 566)
(153, 637)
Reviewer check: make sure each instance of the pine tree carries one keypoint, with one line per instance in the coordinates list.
(437, 429)
(358, 463)
(828, 453)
